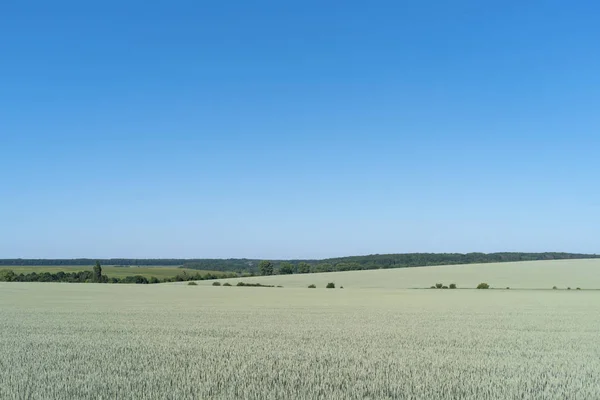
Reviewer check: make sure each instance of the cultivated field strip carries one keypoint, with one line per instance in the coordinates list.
(516, 275)
(65, 341)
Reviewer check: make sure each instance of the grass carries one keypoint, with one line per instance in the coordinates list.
(519, 275)
(117, 272)
(89, 341)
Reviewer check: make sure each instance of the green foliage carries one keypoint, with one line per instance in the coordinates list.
(453, 286)
(138, 279)
(7, 275)
(227, 284)
(326, 267)
(439, 285)
(303, 268)
(312, 286)
(192, 283)
(330, 285)
(554, 287)
(153, 279)
(216, 284)
(507, 288)
(353, 263)
(253, 285)
(444, 287)
(265, 267)
(286, 268)
(433, 287)
(568, 288)
(73, 277)
(578, 288)
(97, 272)
(483, 285)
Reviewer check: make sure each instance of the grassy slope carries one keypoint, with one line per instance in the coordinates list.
(525, 275)
(119, 272)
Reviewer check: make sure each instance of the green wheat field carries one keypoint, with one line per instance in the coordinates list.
(374, 339)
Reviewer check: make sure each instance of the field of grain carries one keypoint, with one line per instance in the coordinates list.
(518, 275)
(167, 341)
(159, 272)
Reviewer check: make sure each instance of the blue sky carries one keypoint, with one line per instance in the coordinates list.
(310, 129)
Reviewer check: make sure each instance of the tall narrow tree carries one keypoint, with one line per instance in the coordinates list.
(97, 272)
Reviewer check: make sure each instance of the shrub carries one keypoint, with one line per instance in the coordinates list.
(554, 287)
(311, 286)
(330, 285)
(507, 288)
(568, 288)
(341, 287)
(444, 287)
(483, 285)
(433, 287)
(192, 283)
(578, 288)
(279, 286)
(253, 284)
(227, 284)
(439, 285)
(216, 284)
(453, 286)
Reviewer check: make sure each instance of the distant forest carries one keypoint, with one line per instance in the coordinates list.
(244, 266)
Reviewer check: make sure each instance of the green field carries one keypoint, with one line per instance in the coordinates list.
(170, 341)
(160, 272)
(518, 275)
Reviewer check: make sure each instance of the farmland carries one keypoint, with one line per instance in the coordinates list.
(160, 272)
(519, 275)
(63, 341)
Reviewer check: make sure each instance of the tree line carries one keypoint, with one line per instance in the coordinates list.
(383, 261)
(96, 276)
(248, 267)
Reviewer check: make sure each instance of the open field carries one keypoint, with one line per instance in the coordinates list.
(519, 275)
(90, 341)
(111, 271)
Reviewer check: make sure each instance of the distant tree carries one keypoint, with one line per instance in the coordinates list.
(303, 268)
(153, 279)
(439, 285)
(483, 286)
(286, 268)
(330, 285)
(139, 279)
(323, 267)
(97, 272)
(7, 275)
(266, 267)
(453, 286)
(312, 286)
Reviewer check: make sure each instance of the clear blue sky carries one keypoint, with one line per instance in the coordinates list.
(293, 129)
